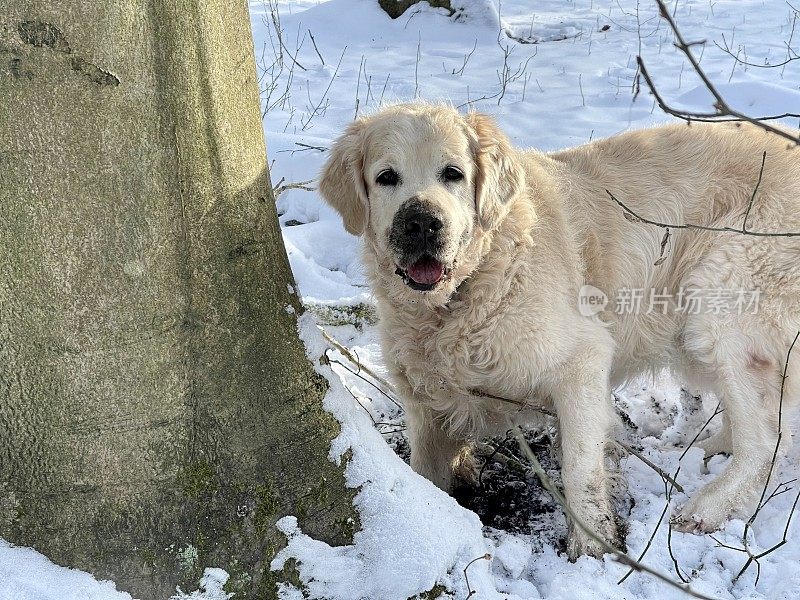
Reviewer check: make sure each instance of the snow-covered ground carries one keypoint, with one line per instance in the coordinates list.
(323, 62)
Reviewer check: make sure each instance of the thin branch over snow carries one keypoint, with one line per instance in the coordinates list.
(751, 558)
(620, 557)
(536, 468)
(723, 111)
(298, 185)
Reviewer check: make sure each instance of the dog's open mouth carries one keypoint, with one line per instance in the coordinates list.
(424, 274)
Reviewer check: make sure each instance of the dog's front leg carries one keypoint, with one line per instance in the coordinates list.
(435, 453)
(583, 404)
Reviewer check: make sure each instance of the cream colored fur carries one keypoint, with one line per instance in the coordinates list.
(525, 232)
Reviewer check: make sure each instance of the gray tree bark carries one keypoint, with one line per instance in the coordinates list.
(157, 410)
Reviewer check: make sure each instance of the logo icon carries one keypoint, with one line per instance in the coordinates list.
(591, 301)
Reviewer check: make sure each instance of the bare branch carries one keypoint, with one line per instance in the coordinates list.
(395, 426)
(472, 592)
(460, 70)
(298, 185)
(755, 190)
(305, 148)
(317, 108)
(618, 556)
(632, 216)
(670, 485)
(671, 480)
(361, 367)
(762, 502)
(314, 42)
(717, 411)
(723, 111)
(655, 531)
(672, 556)
(416, 66)
(496, 454)
(289, 54)
(727, 50)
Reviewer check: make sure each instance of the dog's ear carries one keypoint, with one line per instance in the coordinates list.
(342, 182)
(499, 177)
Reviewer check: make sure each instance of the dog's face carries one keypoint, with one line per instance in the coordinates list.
(423, 182)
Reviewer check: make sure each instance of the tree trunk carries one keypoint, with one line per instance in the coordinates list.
(157, 410)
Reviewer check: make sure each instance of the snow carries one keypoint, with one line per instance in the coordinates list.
(574, 83)
(27, 575)
(211, 584)
(412, 534)
(756, 98)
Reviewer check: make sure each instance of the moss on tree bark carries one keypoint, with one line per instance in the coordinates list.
(157, 410)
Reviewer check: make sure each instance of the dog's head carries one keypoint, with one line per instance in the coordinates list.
(422, 182)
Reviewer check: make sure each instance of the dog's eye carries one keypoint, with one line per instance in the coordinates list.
(387, 177)
(452, 174)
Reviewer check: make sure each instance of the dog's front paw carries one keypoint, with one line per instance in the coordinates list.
(580, 543)
(688, 524)
(700, 516)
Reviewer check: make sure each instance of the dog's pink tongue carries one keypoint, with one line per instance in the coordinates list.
(426, 271)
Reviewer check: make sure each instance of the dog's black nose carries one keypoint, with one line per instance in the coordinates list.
(422, 225)
(417, 228)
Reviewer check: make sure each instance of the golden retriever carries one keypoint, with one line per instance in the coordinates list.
(480, 256)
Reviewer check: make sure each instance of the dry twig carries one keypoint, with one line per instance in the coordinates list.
(722, 110)
(364, 379)
(472, 592)
(670, 485)
(634, 217)
(314, 42)
(751, 558)
(671, 480)
(717, 411)
(318, 108)
(655, 531)
(618, 556)
(460, 70)
(298, 185)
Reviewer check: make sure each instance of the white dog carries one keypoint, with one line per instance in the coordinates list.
(478, 252)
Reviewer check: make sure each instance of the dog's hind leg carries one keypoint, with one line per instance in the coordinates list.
(748, 384)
